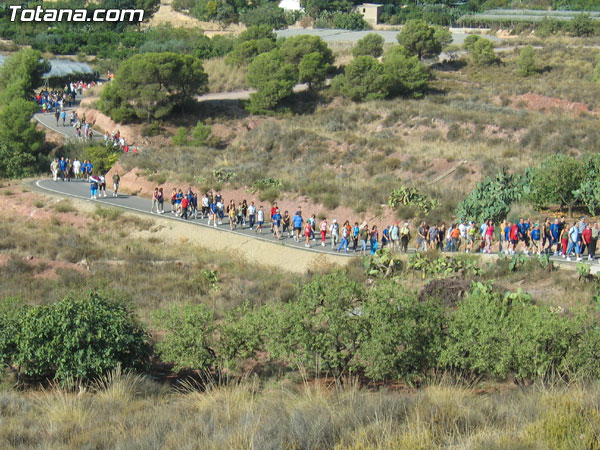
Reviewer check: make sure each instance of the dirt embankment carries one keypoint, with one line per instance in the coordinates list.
(537, 102)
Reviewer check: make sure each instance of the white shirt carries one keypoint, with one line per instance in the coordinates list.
(251, 210)
(463, 230)
(76, 165)
(205, 201)
(261, 215)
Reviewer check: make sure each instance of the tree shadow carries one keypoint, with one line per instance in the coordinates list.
(450, 65)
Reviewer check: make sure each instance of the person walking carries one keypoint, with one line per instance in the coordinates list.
(404, 237)
(489, 237)
(344, 240)
(355, 233)
(374, 239)
(573, 242)
(586, 240)
(251, 215)
(323, 230)
(260, 219)
(297, 221)
(308, 231)
(185, 203)
(154, 201)
(334, 231)
(594, 241)
(287, 221)
(277, 224)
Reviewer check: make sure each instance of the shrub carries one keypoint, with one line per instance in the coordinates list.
(404, 74)
(180, 138)
(350, 21)
(470, 41)
(322, 327)
(241, 334)
(363, 79)
(266, 14)
(500, 336)
(200, 134)
(80, 337)
(12, 311)
(103, 156)
(483, 52)
(420, 39)
(526, 63)
(491, 199)
(582, 25)
(274, 80)
(188, 342)
(370, 45)
(404, 334)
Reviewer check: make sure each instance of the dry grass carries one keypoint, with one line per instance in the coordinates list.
(284, 415)
(223, 77)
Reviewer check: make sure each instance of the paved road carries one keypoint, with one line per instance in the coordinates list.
(49, 121)
(80, 190)
(389, 36)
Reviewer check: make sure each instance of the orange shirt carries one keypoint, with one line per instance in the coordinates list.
(455, 233)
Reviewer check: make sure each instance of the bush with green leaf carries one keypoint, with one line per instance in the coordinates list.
(420, 39)
(483, 52)
(370, 45)
(322, 327)
(410, 196)
(498, 335)
(363, 79)
(526, 62)
(12, 312)
(403, 336)
(180, 137)
(80, 337)
(492, 198)
(274, 80)
(189, 340)
(200, 134)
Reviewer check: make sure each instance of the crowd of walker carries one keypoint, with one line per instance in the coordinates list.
(556, 237)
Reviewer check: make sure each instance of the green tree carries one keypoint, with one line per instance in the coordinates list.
(21, 144)
(370, 45)
(150, 85)
(12, 311)
(256, 32)
(363, 79)
(556, 181)
(443, 35)
(419, 39)
(189, 336)
(241, 334)
(200, 134)
(470, 41)
(582, 25)
(293, 49)
(244, 52)
(313, 70)
(322, 327)
(21, 74)
(403, 336)
(180, 138)
(274, 80)
(492, 198)
(483, 52)
(526, 63)
(405, 75)
(266, 14)
(80, 337)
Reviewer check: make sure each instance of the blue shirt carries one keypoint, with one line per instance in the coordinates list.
(277, 218)
(297, 220)
(507, 233)
(535, 234)
(555, 230)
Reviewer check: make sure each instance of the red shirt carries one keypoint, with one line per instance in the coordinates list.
(273, 211)
(587, 235)
(514, 232)
(184, 202)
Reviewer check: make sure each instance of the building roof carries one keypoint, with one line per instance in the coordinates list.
(63, 68)
(291, 5)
